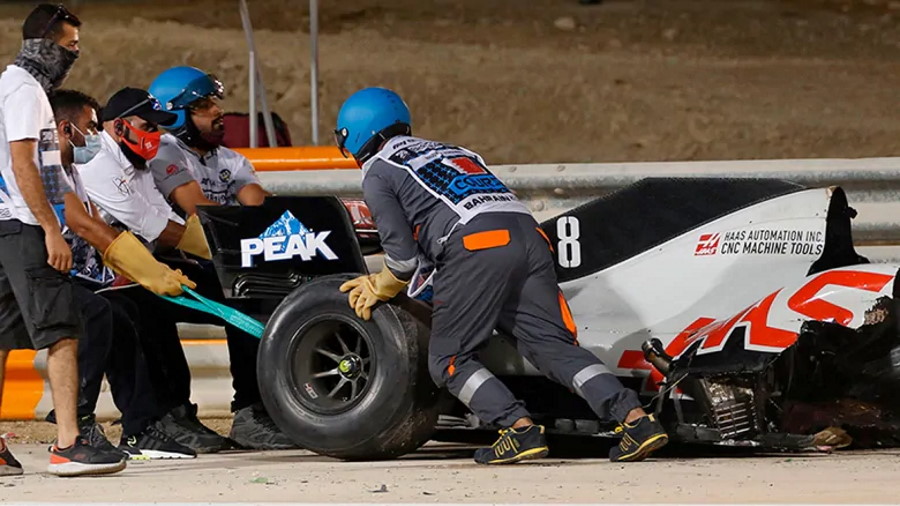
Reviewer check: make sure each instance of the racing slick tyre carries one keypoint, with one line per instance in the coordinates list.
(344, 387)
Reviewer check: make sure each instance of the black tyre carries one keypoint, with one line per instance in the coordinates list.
(344, 387)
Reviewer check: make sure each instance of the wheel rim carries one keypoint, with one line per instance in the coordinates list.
(332, 364)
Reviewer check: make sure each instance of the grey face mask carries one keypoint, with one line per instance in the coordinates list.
(92, 146)
(47, 61)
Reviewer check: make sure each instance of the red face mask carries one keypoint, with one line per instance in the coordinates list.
(147, 142)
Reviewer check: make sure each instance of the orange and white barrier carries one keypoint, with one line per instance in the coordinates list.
(26, 389)
(300, 158)
(23, 386)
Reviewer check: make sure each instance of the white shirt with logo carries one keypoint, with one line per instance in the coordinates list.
(25, 113)
(125, 195)
(221, 173)
(87, 261)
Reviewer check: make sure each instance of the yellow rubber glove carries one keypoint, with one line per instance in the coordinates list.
(128, 257)
(194, 240)
(366, 291)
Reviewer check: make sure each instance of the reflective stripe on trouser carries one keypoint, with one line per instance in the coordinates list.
(485, 395)
(512, 288)
(604, 392)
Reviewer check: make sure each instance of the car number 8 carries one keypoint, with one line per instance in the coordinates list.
(568, 231)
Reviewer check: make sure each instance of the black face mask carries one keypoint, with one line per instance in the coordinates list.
(136, 160)
(47, 61)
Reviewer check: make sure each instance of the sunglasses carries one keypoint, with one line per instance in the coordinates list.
(202, 87)
(154, 103)
(61, 14)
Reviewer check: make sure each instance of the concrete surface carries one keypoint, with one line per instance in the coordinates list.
(445, 473)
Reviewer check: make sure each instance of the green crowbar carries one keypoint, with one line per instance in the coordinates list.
(233, 316)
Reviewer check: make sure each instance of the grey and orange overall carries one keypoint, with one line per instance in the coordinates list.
(493, 270)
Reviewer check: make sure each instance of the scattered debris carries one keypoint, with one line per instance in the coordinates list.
(381, 490)
(565, 23)
(834, 437)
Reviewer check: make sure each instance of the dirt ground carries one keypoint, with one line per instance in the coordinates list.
(542, 80)
(446, 474)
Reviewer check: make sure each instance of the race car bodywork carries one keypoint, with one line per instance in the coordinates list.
(728, 304)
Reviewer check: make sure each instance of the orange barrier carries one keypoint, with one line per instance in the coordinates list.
(300, 158)
(23, 386)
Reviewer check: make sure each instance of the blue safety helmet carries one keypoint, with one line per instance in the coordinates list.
(179, 87)
(369, 117)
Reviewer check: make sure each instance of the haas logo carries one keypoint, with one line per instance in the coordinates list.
(707, 245)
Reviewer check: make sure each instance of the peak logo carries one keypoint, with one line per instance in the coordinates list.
(285, 239)
(707, 245)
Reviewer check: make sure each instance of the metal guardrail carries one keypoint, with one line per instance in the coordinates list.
(872, 184)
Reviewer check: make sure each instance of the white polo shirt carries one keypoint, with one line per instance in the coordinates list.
(124, 194)
(221, 173)
(25, 113)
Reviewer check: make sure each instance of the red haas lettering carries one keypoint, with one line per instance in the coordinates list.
(806, 301)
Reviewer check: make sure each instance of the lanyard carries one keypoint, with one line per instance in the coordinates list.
(230, 315)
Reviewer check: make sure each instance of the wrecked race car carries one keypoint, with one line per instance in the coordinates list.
(739, 309)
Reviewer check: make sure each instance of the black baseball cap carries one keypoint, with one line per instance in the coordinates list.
(136, 102)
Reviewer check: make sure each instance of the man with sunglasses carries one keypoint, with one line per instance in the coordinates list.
(118, 181)
(37, 297)
(193, 169)
(110, 345)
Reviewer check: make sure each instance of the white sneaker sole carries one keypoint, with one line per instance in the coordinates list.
(10, 470)
(163, 455)
(79, 469)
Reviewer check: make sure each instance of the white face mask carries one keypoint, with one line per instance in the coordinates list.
(92, 146)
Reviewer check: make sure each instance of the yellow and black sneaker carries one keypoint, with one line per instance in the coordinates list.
(639, 440)
(514, 445)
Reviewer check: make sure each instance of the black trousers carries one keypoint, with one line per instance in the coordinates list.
(166, 365)
(129, 370)
(110, 346)
(242, 347)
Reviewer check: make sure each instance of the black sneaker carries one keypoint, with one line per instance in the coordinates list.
(181, 424)
(132, 452)
(253, 428)
(83, 459)
(9, 466)
(639, 440)
(154, 444)
(94, 434)
(515, 445)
